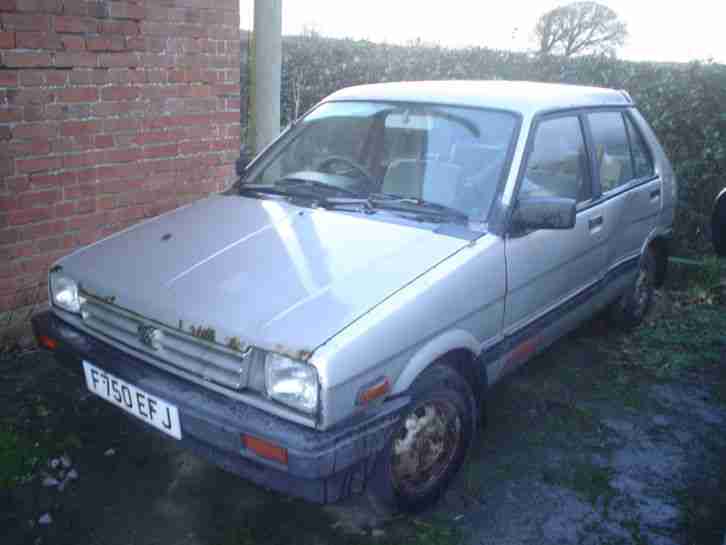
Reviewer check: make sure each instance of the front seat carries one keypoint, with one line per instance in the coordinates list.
(436, 181)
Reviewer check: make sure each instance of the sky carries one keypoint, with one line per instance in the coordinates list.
(659, 30)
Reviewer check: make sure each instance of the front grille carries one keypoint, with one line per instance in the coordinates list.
(203, 359)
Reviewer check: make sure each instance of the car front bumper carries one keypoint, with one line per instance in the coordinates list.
(323, 466)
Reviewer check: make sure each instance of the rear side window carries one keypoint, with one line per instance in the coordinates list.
(642, 161)
(557, 162)
(612, 149)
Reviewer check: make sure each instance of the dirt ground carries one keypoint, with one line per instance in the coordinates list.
(583, 446)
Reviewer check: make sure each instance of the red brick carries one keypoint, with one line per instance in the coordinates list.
(73, 43)
(169, 150)
(103, 141)
(78, 94)
(37, 165)
(119, 27)
(34, 112)
(106, 203)
(75, 128)
(82, 159)
(120, 93)
(7, 40)
(39, 130)
(39, 198)
(30, 147)
(25, 21)
(11, 115)
(8, 78)
(120, 125)
(40, 6)
(72, 24)
(24, 59)
(123, 155)
(76, 59)
(8, 5)
(64, 210)
(31, 96)
(53, 180)
(123, 10)
(29, 215)
(120, 60)
(37, 40)
(105, 43)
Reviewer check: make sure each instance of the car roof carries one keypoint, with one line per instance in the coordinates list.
(525, 97)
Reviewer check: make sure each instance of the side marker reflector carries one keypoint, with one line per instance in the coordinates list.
(265, 449)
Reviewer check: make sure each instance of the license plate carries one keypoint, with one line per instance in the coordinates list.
(151, 409)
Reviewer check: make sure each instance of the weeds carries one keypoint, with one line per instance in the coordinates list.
(18, 457)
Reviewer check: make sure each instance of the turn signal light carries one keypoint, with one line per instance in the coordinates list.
(265, 449)
(47, 342)
(377, 390)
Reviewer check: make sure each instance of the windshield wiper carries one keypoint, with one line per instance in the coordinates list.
(294, 181)
(412, 204)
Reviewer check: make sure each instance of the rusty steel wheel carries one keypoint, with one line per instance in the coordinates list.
(628, 312)
(429, 444)
(425, 447)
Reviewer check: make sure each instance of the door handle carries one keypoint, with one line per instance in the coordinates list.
(595, 222)
(655, 194)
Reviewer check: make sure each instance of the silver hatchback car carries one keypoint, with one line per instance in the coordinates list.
(332, 323)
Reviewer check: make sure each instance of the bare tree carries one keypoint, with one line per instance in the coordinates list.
(580, 28)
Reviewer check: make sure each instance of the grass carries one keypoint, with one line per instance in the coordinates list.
(18, 457)
(692, 338)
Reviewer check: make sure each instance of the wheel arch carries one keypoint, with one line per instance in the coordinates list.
(660, 245)
(458, 349)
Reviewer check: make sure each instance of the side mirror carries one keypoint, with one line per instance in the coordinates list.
(532, 213)
(242, 161)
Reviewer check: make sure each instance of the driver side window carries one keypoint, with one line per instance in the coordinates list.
(557, 161)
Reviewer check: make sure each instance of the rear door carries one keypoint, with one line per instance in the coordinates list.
(546, 268)
(627, 183)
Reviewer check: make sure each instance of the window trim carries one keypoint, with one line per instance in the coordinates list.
(634, 182)
(534, 127)
(646, 147)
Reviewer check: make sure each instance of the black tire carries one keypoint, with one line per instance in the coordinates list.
(631, 308)
(442, 392)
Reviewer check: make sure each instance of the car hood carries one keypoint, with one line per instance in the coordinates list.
(270, 273)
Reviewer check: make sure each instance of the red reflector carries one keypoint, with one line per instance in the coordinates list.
(47, 342)
(379, 389)
(265, 449)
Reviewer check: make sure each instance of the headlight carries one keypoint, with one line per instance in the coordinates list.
(64, 292)
(291, 382)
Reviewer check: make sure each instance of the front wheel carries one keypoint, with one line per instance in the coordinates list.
(428, 445)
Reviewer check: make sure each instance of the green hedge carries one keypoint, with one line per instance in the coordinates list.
(685, 103)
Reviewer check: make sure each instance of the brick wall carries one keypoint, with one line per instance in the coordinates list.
(110, 112)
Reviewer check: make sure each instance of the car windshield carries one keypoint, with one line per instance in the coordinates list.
(446, 156)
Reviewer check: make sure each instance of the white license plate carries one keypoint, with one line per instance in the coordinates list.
(152, 410)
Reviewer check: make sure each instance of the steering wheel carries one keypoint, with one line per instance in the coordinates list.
(325, 164)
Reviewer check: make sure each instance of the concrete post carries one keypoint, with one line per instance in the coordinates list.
(267, 71)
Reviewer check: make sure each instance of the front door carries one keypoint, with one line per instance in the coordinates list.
(546, 268)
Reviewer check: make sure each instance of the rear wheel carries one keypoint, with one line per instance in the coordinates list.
(628, 312)
(428, 445)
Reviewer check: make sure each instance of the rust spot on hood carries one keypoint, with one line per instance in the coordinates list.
(300, 355)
